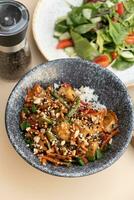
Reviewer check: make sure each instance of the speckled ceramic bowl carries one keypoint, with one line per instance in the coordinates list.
(108, 87)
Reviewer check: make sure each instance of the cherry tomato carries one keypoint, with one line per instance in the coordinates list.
(64, 43)
(114, 55)
(130, 39)
(103, 60)
(120, 8)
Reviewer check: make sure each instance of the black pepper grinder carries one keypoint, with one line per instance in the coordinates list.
(15, 53)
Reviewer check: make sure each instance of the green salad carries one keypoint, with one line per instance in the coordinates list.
(102, 32)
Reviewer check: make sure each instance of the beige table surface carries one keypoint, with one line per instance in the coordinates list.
(19, 181)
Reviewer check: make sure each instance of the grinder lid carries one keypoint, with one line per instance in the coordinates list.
(14, 18)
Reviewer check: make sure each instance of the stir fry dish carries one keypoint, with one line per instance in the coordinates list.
(99, 31)
(66, 126)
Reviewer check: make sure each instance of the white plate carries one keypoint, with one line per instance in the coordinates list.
(45, 15)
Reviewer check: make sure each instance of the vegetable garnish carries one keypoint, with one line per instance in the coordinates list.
(95, 28)
(120, 8)
(64, 44)
(103, 60)
(65, 126)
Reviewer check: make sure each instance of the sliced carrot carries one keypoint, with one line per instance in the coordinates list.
(106, 141)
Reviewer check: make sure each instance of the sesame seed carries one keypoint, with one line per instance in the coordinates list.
(111, 140)
(63, 142)
(35, 151)
(37, 139)
(72, 142)
(28, 129)
(76, 134)
(42, 130)
(37, 101)
(74, 152)
(57, 115)
(53, 142)
(52, 113)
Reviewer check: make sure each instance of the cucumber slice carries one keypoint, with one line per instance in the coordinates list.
(57, 34)
(96, 19)
(65, 36)
(70, 51)
(127, 55)
(87, 13)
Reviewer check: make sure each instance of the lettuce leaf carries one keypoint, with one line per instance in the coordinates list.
(121, 64)
(117, 32)
(84, 28)
(77, 17)
(83, 47)
(100, 40)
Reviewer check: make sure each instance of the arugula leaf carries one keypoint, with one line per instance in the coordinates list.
(129, 6)
(61, 27)
(100, 40)
(121, 64)
(93, 6)
(129, 16)
(106, 37)
(69, 21)
(116, 1)
(77, 17)
(84, 28)
(130, 19)
(83, 47)
(117, 32)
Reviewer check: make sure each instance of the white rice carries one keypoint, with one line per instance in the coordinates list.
(87, 94)
(56, 86)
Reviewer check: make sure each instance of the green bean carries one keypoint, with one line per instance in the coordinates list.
(49, 121)
(51, 137)
(54, 94)
(90, 156)
(80, 161)
(48, 144)
(74, 108)
(99, 154)
(45, 119)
